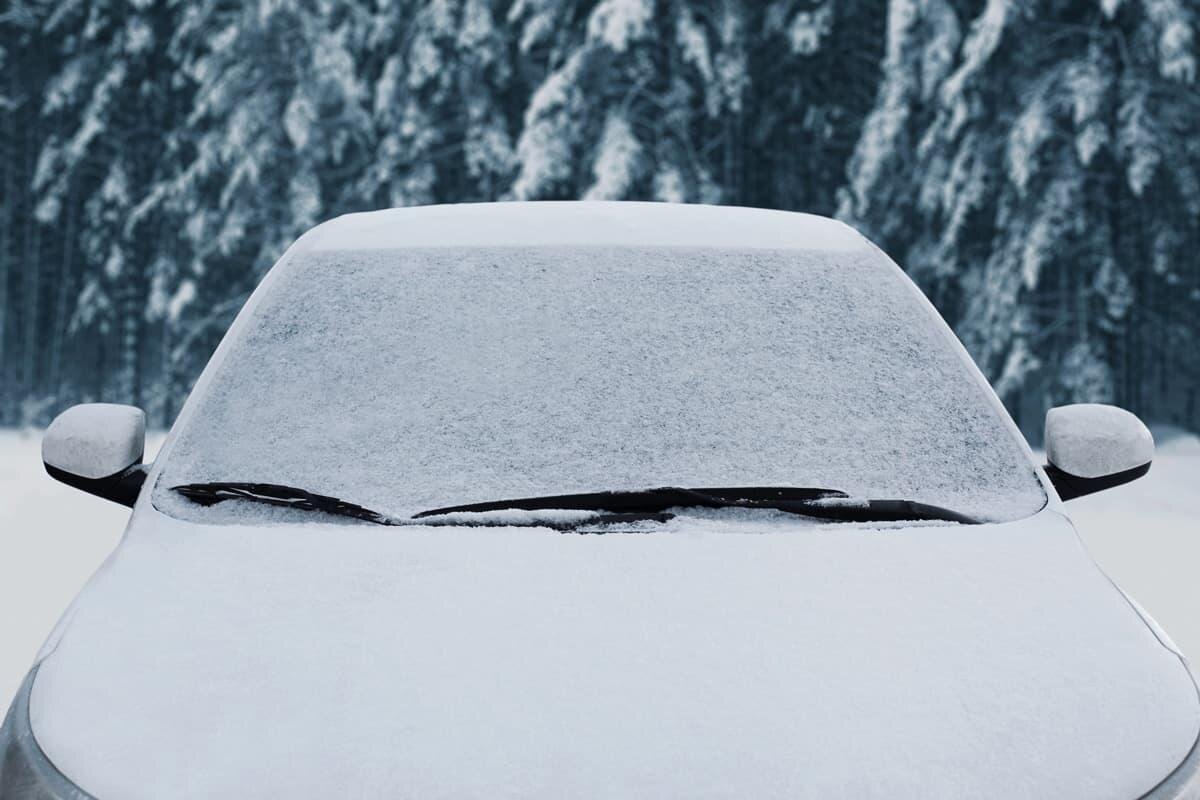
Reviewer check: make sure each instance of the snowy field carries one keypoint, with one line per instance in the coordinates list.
(1146, 535)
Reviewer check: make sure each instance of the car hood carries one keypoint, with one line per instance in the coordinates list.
(732, 660)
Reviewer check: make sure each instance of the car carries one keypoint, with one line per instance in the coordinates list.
(598, 500)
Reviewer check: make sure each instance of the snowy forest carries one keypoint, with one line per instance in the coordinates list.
(1033, 164)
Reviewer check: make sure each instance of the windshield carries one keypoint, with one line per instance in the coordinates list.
(407, 380)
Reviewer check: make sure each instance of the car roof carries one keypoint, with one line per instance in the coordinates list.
(552, 223)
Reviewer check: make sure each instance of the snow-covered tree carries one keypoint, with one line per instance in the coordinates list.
(815, 66)
(442, 103)
(277, 131)
(103, 112)
(1035, 166)
(1033, 163)
(21, 76)
(277, 124)
(632, 106)
(697, 100)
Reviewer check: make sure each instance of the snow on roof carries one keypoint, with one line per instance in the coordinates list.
(584, 223)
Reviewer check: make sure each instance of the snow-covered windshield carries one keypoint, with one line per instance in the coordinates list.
(404, 380)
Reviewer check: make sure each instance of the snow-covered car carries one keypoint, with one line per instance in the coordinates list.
(598, 500)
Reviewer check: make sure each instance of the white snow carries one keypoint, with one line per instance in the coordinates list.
(95, 440)
(554, 121)
(549, 223)
(618, 160)
(52, 537)
(1091, 440)
(1032, 129)
(694, 49)
(617, 23)
(809, 29)
(320, 660)
(417, 379)
(1146, 535)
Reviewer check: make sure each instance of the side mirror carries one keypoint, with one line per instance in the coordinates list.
(98, 447)
(1092, 447)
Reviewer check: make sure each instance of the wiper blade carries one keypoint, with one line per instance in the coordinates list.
(612, 507)
(209, 494)
(808, 501)
(652, 500)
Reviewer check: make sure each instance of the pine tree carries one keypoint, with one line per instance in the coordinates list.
(442, 105)
(277, 123)
(698, 100)
(100, 116)
(1036, 169)
(815, 68)
(1032, 162)
(628, 109)
(276, 133)
(21, 80)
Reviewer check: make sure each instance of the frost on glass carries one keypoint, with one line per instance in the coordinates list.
(408, 380)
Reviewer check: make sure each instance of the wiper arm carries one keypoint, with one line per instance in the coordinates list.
(807, 501)
(209, 494)
(885, 511)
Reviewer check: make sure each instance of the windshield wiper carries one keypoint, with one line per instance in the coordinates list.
(807, 501)
(611, 507)
(209, 494)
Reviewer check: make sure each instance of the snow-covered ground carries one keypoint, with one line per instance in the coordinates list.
(1146, 535)
(52, 538)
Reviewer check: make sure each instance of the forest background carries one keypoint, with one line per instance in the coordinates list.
(1033, 164)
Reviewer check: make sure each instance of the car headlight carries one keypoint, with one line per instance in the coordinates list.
(25, 772)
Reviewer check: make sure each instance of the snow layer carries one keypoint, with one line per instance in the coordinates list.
(416, 379)
(1144, 534)
(588, 223)
(325, 660)
(53, 537)
(95, 440)
(1091, 440)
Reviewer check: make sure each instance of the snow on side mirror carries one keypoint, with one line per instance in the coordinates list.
(1092, 447)
(98, 447)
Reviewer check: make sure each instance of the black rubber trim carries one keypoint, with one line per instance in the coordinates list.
(123, 487)
(1071, 486)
